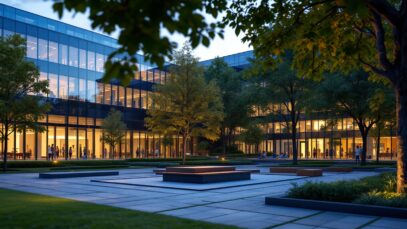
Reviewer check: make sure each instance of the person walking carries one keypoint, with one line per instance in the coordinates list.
(357, 154)
(70, 152)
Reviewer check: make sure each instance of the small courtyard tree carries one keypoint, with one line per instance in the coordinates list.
(114, 130)
(354, 96)
(186, 104)
(253, 135)
(20, 107)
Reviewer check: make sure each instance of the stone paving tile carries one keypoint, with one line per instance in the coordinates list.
(294, 226)
(336, 220)
(200, 212)
(391, 223)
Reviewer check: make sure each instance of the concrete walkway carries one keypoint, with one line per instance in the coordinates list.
(239, 206)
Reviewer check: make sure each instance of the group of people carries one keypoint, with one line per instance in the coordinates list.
(54, 152)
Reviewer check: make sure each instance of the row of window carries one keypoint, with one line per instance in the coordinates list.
(72, 88)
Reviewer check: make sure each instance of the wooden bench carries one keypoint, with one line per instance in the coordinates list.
(283, 169)
(309, 172)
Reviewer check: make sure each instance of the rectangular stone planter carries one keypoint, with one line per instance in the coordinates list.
(205, 178)
(54, 175)
(339, 207)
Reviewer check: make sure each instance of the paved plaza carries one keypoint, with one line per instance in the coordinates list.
(238, 205)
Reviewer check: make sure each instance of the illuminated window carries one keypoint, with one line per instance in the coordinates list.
(99, 93)
(129, 96)
(99, 62)
(82, 89)
(63, 87)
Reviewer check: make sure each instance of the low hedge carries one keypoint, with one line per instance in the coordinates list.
(375, 190)
(61, 163)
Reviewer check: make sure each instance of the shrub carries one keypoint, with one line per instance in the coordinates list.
(389, 199)
(343, 191)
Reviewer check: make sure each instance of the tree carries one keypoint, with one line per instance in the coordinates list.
(383, 106)
(146, 26)
(354, 96)
(114, 129)
(288, 92)
(332, 36)
(186, 104)
(253, 135)
(20, 107)
(234, 98)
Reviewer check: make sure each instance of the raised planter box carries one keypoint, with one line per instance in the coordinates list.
(54, 175)
(205, 178)
(339, 207)
(338, 169)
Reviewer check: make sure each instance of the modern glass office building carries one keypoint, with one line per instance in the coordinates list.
(72, 59)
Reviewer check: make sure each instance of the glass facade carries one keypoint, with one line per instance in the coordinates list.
(72, 59)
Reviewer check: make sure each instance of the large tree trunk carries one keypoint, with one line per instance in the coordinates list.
(184, 148)
(378, 144)
(294, 142)
(5, 135)
(364, 147)
(401, 109)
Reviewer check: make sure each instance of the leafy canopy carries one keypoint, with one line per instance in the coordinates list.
(141, 25)
(20, 107)
(186, 104)
(324, 36)
(114, 129)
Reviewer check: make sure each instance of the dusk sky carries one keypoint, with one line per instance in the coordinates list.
(219, 47)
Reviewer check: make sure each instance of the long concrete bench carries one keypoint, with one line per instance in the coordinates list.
(283, 169)
(200, 169)
(206, 177)
(158, 171)
(309, 172)
(53, 175)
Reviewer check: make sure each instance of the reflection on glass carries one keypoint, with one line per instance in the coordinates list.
(42, 49)
(73, 88)
(53, 52)
(53, 86)
(43, 76)
(82, 58)
(91, 61)
(32, 47)
(63, 87)
(91, 91)
(82, 89)
(63, 54)
(99, 62)
(73, 56)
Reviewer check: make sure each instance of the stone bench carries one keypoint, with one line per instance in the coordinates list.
(53, 175)
(309, 172)
(206, 177)
(283, 169)
(199, 169)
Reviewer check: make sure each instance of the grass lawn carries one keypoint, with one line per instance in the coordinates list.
(25, 210)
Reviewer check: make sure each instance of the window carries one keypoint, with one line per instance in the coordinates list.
(32, 47)
(108, 94)
(63, 87)
(82, 89)
(73, 88)
(136, 98)
(43, 76)
(91, 61)
(114, 94)
(143, 99)
(99, 62)
(63, 54)
(53, 86)
(42, 49)
(122, 96)
(53, 52)
(73, 56)
(82, 58)
(99, 93)
(129, 96)
(91, 91)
